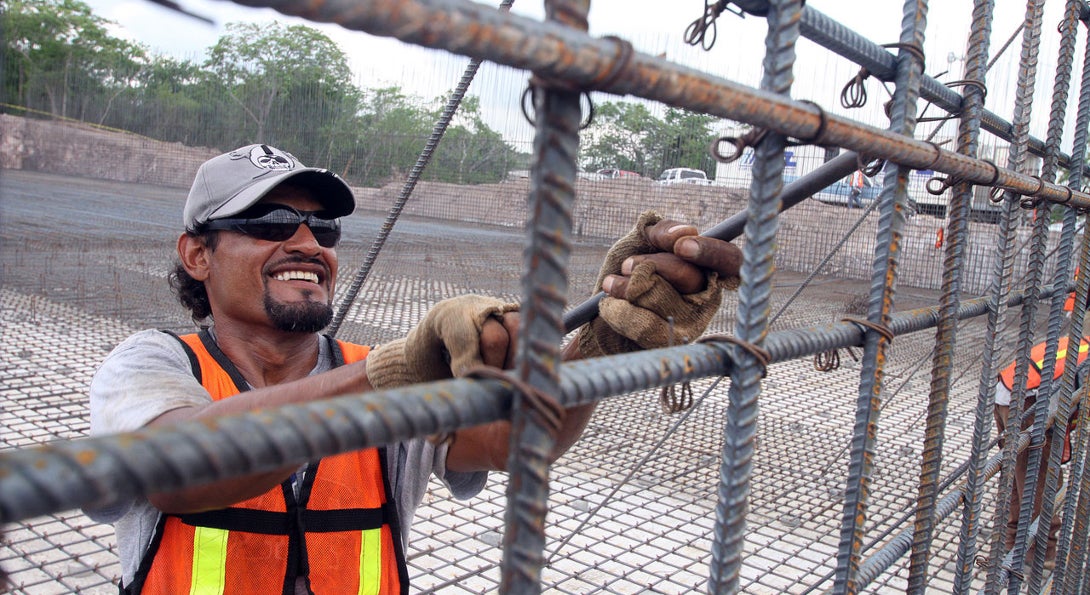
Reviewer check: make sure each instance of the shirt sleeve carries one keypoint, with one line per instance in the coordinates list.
(145, 376)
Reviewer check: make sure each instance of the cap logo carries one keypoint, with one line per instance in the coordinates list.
(265, 158)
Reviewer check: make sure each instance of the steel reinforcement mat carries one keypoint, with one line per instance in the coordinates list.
(632, 504)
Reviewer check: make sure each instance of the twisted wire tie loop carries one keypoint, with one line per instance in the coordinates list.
(622, 59)
(827, 361)
(854, 94)
(546, 408)
(881, 329)
(870, 168)
(763, 357)
(979, 85)
(754, 136)
(938, 155)
(1031, 200)
(912, 48)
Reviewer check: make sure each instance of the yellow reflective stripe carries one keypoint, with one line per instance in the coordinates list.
(209, 561)
(370, 562)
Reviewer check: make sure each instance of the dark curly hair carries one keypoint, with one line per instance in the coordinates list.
(189, 291)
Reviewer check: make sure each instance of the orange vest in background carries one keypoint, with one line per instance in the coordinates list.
(341, 533)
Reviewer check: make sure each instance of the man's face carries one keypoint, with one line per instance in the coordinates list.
(284, 284)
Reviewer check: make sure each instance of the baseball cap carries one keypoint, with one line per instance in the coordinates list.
(233, 182)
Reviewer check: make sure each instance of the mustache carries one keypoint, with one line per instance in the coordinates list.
(305, 260)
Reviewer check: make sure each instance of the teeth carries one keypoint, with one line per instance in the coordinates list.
(297, 276)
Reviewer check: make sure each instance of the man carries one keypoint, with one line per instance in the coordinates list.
(258, 260)
(1003, 391)
(856, 184)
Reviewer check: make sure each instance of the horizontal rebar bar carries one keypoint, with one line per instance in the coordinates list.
(93, 472)
(554, 52)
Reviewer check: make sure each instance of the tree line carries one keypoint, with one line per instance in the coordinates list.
(291, 86)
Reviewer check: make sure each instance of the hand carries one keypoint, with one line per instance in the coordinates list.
(456, 335)
(662, 271)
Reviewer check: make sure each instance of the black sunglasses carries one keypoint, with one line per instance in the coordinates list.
(277, 223)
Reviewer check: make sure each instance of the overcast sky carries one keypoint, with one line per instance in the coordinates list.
(654, 27)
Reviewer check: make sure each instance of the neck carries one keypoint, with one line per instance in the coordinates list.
(269, 357)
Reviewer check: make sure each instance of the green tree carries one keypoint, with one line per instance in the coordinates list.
(392, 129)
(284, 85)
(58, 57)
(628, 136)
(471, 152)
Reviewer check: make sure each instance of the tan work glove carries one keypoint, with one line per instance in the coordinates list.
(643, 320)
(451, 329)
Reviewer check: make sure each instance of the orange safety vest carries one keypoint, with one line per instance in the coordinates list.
(1033, 380)
(1037, 362)
(341, 534)
(857, 179)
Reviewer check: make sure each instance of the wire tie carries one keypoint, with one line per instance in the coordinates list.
(763, 357)
(547, 409)
(622, 57)
(995, 172)
(815, 139)
(881, 329)
(938, 155)
(827, 361)
(979, 85)
(912, 48)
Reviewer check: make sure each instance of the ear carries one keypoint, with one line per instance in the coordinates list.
(195, 256)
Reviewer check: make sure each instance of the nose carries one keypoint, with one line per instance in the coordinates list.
(303, 241)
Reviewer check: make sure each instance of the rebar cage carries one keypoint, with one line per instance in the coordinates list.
(921, 508)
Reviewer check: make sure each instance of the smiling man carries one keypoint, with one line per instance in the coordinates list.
(256, 270)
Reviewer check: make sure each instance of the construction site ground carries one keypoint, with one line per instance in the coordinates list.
(632, 506)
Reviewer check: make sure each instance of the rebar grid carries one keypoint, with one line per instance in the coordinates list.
(1023, 106)
(753, 309)
(1070, 540)
(1063, 272)
(946, 332)
(882, 64)
(470, 29)
(383, 421)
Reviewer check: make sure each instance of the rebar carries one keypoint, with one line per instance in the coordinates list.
(417, 170)
(946, 332)
(883, 291)
(1017, 160)
(541, 328)
(1046, 395)
(557, 52)
(754, 297)
(93, 472)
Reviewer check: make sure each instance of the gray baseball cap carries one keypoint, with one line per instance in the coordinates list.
(233, 182)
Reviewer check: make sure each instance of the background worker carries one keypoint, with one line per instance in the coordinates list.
(1003, 391)
(856, 182)
(257, 264)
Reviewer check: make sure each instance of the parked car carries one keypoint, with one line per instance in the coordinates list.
(611, 173)
(683, 175)
(838, 192)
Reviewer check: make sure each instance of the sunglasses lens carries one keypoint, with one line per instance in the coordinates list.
(279, 224)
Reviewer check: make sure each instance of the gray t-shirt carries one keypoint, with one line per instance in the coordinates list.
(149, 374)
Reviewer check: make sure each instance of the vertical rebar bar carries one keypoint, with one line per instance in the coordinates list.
(754, 305)
(1046, 395)
(883, 284)
(946, 332)
(1073, 534)
(545, 288)
(1017, 160)
(407, 188)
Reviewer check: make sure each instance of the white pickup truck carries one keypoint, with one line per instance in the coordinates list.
(683, 175)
